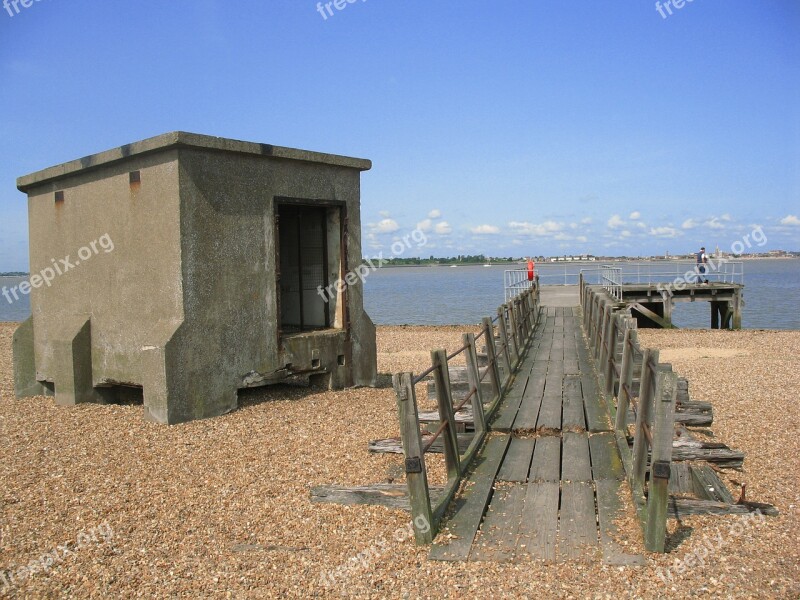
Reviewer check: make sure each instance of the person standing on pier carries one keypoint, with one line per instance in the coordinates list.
(702, 269)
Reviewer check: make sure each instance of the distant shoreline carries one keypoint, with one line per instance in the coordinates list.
(538, 263)
(584, 262)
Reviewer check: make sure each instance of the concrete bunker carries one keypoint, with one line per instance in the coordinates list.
(222, 274)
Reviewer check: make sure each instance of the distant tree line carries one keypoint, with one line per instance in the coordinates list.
(467, 259)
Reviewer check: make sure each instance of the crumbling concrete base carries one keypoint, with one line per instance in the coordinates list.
(72, 365)
(181, 379)
(25, 382)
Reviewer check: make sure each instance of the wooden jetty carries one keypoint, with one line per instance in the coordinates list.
(544, 434)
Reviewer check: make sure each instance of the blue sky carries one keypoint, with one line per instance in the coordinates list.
(514, 127)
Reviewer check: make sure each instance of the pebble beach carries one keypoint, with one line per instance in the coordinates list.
(221, 507)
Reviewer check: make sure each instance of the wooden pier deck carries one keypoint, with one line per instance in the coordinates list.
(548, 483)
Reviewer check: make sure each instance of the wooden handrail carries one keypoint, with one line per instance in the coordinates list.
(516, 322)
(612, 330)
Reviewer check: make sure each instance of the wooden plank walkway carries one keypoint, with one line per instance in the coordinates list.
(547, 483)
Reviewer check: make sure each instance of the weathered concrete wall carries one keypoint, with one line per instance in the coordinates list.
(184, 304)
(130, 284)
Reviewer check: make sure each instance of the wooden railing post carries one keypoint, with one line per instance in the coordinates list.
(512, 316)
(502, 329)
(608, 341)
(611, 372)
(491, 355)
(601, 330)
(444, 397)
(598, 321)
(519, 319)
(643, 417)
(661, 457)
(416, 475)
(630, 339)
(527, 306)
(474, 378)
(525, 310)
(509, 328)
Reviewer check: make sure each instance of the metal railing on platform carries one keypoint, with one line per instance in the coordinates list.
(631, 272)
(611, 278)
(720, 271)
(515, 282)
(515, 323)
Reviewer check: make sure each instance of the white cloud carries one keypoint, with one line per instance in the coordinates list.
(635, 215)
(424, 225)
(790, 220)
(714, 223)
(625, 233)
(664, 232)
(689, 224)
(548, 228)
(435, 214)
(641, 225)
(443, 228)
(385, 214)
(615, 221)
(387, 226)
(485, 230)
(725, 217)
(586, 221)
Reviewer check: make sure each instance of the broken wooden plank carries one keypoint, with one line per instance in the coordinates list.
(395, 445)
(723, 457)
(517, 462)
(575, 464)
(464, 416)
(463, 523)
(460, 389)
(497, 539)
(393, 495)
(680, 508)
(680, 478)
(708, 485)
(539, 525)
(690, 417)
(577, 523)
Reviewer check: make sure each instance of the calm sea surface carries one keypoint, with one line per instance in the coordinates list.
(465, 294)
(445, 295)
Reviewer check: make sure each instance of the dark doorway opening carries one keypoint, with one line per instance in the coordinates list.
(303, 259)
